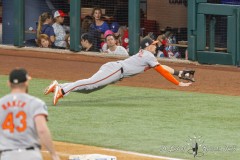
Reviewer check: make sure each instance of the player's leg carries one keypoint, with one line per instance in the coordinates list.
(52, 86)
(63, 85)
(90, 91)
(107, 74)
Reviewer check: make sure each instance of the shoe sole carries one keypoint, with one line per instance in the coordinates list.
(51, 87)
(55, 99)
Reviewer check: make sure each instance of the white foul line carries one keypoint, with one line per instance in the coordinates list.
(141, 154)
(126, 152)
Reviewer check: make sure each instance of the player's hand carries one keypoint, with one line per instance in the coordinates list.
(182, 84)
(187, 75)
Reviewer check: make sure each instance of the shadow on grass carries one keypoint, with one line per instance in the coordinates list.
(113, 101)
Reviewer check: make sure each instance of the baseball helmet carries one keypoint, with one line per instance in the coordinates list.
(114, 27)
(147, 41)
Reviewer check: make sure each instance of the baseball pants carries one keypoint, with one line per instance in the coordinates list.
(108, 73)
(21, 155)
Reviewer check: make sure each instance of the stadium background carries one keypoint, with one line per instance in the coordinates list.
(216, 119)
(205, 33)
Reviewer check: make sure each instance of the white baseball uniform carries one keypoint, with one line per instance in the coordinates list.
(18, 135)
(118, 51)
(112, 72)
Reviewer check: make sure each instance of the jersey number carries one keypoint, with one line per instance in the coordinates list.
(9, 122)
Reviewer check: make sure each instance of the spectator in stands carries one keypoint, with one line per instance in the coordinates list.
(98, 24)
(98, 27)
(87, 42)
(104, 46)
(68, 41)
(122, 36)
(86, 23)
(59, 30)
(114, 27)
(113, 48)
(117, 32)
(171, 50)
(161, 46)
(45, 26)
(65, 7)
(44, 41)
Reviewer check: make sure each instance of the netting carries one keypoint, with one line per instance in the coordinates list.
(39, 19)
(220, 27)
(220, 32)
(165, 21)
(162, 20)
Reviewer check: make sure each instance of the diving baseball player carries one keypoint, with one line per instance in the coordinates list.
(23, 122)
(112, 72)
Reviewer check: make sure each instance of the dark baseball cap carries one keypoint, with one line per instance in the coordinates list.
(147, 41)
(19, 75)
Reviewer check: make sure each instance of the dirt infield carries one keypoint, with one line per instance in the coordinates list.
(209, 79)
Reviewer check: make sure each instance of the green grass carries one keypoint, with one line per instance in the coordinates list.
(145, 120)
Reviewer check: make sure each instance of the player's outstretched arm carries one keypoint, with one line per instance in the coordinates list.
(169, 69)
(45, 135)
(168, 75)
(186, 74)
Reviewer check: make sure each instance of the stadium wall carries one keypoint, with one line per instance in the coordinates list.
(166, 14)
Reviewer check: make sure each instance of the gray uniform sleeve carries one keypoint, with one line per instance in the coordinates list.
(151, 60)
(39, 108)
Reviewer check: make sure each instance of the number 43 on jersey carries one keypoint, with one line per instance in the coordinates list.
(8, 123)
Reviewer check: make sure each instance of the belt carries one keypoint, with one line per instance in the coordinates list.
(121, 68)
(27, 149)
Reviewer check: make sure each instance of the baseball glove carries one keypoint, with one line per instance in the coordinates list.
(187, 75)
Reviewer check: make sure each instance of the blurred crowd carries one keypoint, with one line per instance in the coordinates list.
(98, 35)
